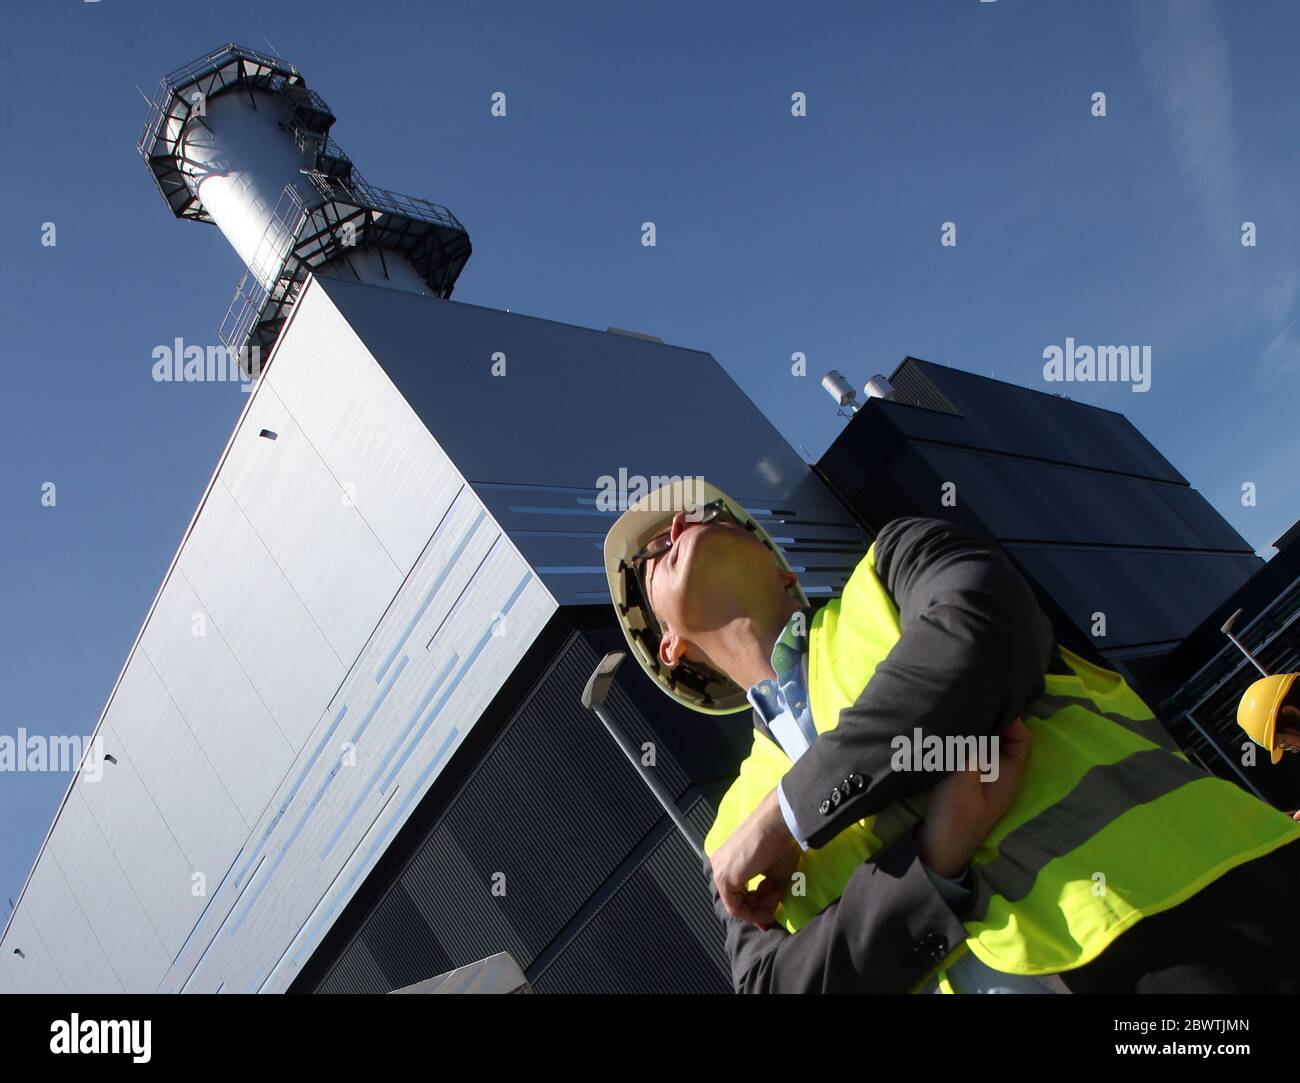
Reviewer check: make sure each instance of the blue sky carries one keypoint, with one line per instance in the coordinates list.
(775, 234)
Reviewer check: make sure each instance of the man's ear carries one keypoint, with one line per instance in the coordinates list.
(788, 579)
(672, 648)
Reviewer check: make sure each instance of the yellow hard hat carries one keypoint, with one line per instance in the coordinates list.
(1257, 711)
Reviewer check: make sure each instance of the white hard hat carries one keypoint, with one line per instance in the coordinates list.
(692, 684)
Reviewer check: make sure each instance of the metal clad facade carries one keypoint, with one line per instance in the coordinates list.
(389, 533)
(336, 618)
(554, 850)
(1092, 512)
(656, 933)
(536, 413)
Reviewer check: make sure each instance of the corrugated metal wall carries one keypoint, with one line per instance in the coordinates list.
(621, 906)
(654, 933)
(335, 621)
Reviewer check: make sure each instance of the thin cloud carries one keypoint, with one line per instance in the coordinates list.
(1184, 51)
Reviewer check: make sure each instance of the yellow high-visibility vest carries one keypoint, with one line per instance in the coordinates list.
(1111, 823)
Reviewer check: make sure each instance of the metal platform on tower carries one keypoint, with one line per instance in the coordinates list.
(237, 138)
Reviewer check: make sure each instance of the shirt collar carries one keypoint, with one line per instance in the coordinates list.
(791, 645)
(770, 696)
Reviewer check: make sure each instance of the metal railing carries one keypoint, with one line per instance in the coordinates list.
(297, 95)
(158, 107)
(318, 144)
(219, 58)
(360, 193)
(273, 251)
(1260, 634)
(207, 64)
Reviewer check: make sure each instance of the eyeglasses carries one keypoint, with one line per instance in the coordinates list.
(661, 543)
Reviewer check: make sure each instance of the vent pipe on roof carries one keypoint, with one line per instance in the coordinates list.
(878, 387)
(838, 388)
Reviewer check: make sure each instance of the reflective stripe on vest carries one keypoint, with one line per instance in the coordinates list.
(1111, 822)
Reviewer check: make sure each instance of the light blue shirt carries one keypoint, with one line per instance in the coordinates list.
(783, 705)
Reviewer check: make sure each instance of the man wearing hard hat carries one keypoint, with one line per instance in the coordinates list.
(1097, 858)
(1269, 712)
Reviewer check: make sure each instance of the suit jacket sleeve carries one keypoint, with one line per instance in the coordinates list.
(883, 935)
(972, 654)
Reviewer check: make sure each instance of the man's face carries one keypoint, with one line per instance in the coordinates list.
(1287, 735)
(714, 573)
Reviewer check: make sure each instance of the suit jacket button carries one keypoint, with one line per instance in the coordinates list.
(932, 947)
(824, 808)
(858, 781)
(836, 796)
(846, 787)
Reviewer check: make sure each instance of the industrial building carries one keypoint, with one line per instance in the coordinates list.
(396, 569)
(371, 766)
(1126, 556)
